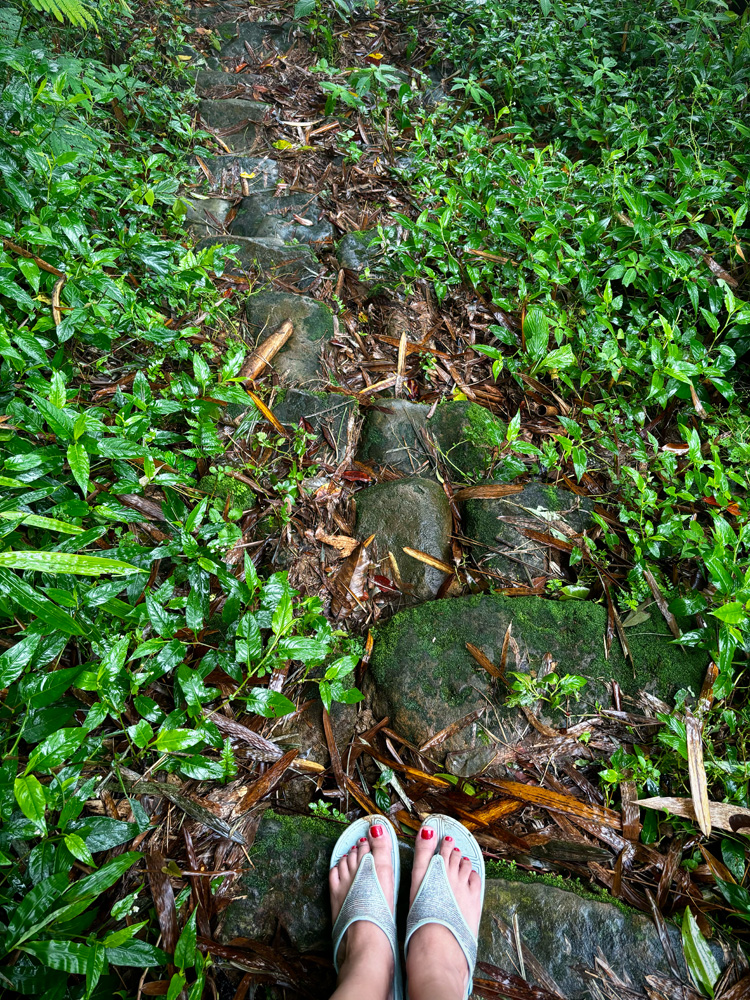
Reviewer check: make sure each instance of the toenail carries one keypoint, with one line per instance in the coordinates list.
(456, 849)
(376, 831)
(426, 833)
(449, 839)
(464, 858)
(363, 840)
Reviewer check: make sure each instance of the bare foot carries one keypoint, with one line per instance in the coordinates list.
(435, 965)
(365, 955)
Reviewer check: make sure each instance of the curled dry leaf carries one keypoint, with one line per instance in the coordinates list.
(723, 815)
(697, 770)
(341, 543)
(428, 559)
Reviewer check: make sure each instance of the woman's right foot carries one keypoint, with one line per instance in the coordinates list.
(436, 967)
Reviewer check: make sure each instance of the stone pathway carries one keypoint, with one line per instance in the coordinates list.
(421, 675)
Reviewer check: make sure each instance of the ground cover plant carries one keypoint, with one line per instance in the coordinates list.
(587, 185)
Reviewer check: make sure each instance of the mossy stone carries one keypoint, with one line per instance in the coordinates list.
(357, 252)
(298, 361)
(263, 214)
(218, 487)
(424, 679)
(206, 216)
(561, 924)
(229, 171)
(409, 512)
(258, 35)
(230, 113)
(295, 264)
(319, 409)
(394, 434)
(498, 524)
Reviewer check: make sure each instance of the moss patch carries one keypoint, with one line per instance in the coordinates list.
(219, 486)
(508, 871)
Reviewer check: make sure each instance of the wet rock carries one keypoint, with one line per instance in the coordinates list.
(233, 113)
(321, 410)
(296, 264)
(208, 16)
(499, 523)
(228, 173)
(394, 435)
(256, 35)
(299, 359)
(356, 252)
(262, 214)
(217, 83)
(424, 679)
(206, 216)
(410, 512)
(562, 926)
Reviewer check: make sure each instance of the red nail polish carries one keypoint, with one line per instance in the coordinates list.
(455, 849)
(376, 831)
(363, 840)
(465, 858)
(449, 839)
(426, 833)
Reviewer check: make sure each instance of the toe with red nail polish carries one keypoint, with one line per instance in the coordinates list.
(377, 831)
(426, 833)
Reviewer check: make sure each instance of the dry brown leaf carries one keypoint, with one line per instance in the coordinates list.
(484, 661)
(486, 492)
(451, 730)
(719, 271)
(266, 352)
(697, 771)
(56, 293)
(341, 543)
(724, 815)
(557, 802)
(265, 784)
(428, 559)
(661, 602)
(267, 414)
(488, 815)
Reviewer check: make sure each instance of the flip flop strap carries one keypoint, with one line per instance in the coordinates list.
(436, 904)
(365, 901)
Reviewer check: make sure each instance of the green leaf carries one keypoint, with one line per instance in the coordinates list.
(184, 953)
(31, 799)
(137, 954)
(737, 896)
(64, 956)
(283, 615)
(64, 562)
(341, 668)
(36, 521)
(98, 882)
(303, 8)
(31, 600)
(55, 749)
(30, 912)
(78, 849)
(698, 958)
(536, 333)
(78, 460)
(732, 613)
(269, 704)
(177, 739)
(733, 855)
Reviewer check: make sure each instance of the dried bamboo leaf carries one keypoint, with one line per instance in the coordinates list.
(267, 414)
(697, 770)
(266, 352)
(724, 815)
(428, 559)
(265, 784)
(451, 730)
(558, 802)
(484, 661)
(493, 492)
(164, 901)
(661, 602)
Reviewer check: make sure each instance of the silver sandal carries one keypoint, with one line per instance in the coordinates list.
(365, 899)
(435, 902)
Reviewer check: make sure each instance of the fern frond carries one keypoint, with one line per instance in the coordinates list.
(81, 13)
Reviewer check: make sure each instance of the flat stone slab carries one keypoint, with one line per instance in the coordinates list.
(424, 678)
(259, 36)
(321, 410)
(228, 173)
(263, 214)
(241, 117)
(206, 216)
(357, 253)
(394, 435)
(561, 928)
(294, 264)
(217, 83)
(298, 361)
(499, 524)
(411, 512)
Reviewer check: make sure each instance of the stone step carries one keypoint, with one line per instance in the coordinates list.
(298, 361)
(208, 16)
(258, 36)
(411, 512)
(263, 214)
(499, 524)
(206, 216)
(561, 926)
(464, 434)
(217, 83)
(422, 676)
(243, 117)
(357, 253)
(321, 410)
(295, 265)
(228, 172)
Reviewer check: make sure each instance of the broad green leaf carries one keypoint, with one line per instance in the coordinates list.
(269, 704)
(36, 521)
(64, 562)
(341, 668)
(55, 749)
(732, 613)
(177, 739)
(31, 600)
(98, 882)
(80, 466)
(64, 956)
(117, 938)
(31, 799)
(137, 954)
(536, 333)
(733, 855)
(698, 958)
(184, 953)
(78, 849)
(34, 906)
(282, 616)
(737, 896)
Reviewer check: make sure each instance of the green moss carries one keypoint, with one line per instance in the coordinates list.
(484, 429)
(218, 487)
(508, 871)
(283, 841)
